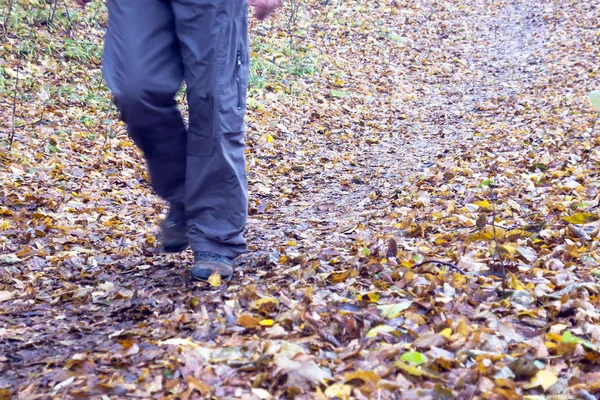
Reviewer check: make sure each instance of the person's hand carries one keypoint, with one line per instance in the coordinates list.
(262, 8)
(83, 3)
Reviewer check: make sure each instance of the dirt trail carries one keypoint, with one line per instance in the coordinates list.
(486, 54)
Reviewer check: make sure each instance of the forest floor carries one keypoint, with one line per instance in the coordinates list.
(380, 135)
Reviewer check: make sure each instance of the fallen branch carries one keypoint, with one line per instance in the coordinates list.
(11, 137)
(447, 264)
(30, 123)
(498, 249)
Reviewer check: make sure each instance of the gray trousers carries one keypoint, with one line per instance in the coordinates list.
(151, 46)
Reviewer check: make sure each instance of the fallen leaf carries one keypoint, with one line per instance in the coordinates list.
(215, 280)
(594, 98)
(338, 390)
(415, 371)
(195, 385)
(6, 295)
(248, 321)
(307, 369)
(543, 378)
(339, 276)
(373, 332)
(579, 218)
(414, 357)
(391, 311)
(392, 249)
(9, 259)
(524, 368)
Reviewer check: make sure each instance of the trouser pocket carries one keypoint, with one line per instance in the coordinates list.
(238, 64)
(232, 77)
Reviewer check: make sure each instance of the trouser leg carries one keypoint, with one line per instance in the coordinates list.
(214, 48)
(143, 68)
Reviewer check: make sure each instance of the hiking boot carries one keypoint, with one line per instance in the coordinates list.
(173, 230)
(206, 264)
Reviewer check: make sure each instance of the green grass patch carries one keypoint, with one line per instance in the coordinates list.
(273, 62)
(82, 51)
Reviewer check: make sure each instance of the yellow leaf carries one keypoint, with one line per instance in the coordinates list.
(514, 283)
(392, 311)
(360, 377)
(508, 249)
(579, 218)
(371, 297)
(415, 371)
(526, 313)
(380, 329)
(265, 300)
(484, 204)
(543, 378)
(339, 390)
(248, 321)
(446, 333)
(266, 322)
(215, 280)
(486, 235)
(517, 234)
(555, 337)
(269, 139)
(463, 329)
(338, 276)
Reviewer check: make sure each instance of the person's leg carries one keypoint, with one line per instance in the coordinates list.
(142, 66)
(214, 45)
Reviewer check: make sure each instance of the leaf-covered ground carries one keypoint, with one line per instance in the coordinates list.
(383, 135)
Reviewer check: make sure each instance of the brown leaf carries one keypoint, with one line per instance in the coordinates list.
(248, 321)
(5, 394)
(392, 249)
(523, 368)
(339, 276)
(195, 385)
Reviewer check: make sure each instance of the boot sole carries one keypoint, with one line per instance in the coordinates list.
(197, 278)
(175, 247)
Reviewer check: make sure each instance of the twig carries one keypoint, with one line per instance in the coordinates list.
(498, 249)
(11, 138)
(6, 18)
(294, 6)
(107, 132)
(447, 264)
(52, 12)
(30, 123)
(68, 18)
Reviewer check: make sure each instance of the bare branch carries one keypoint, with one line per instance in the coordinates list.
(11, 137)
(447, 264)
(493, 198)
